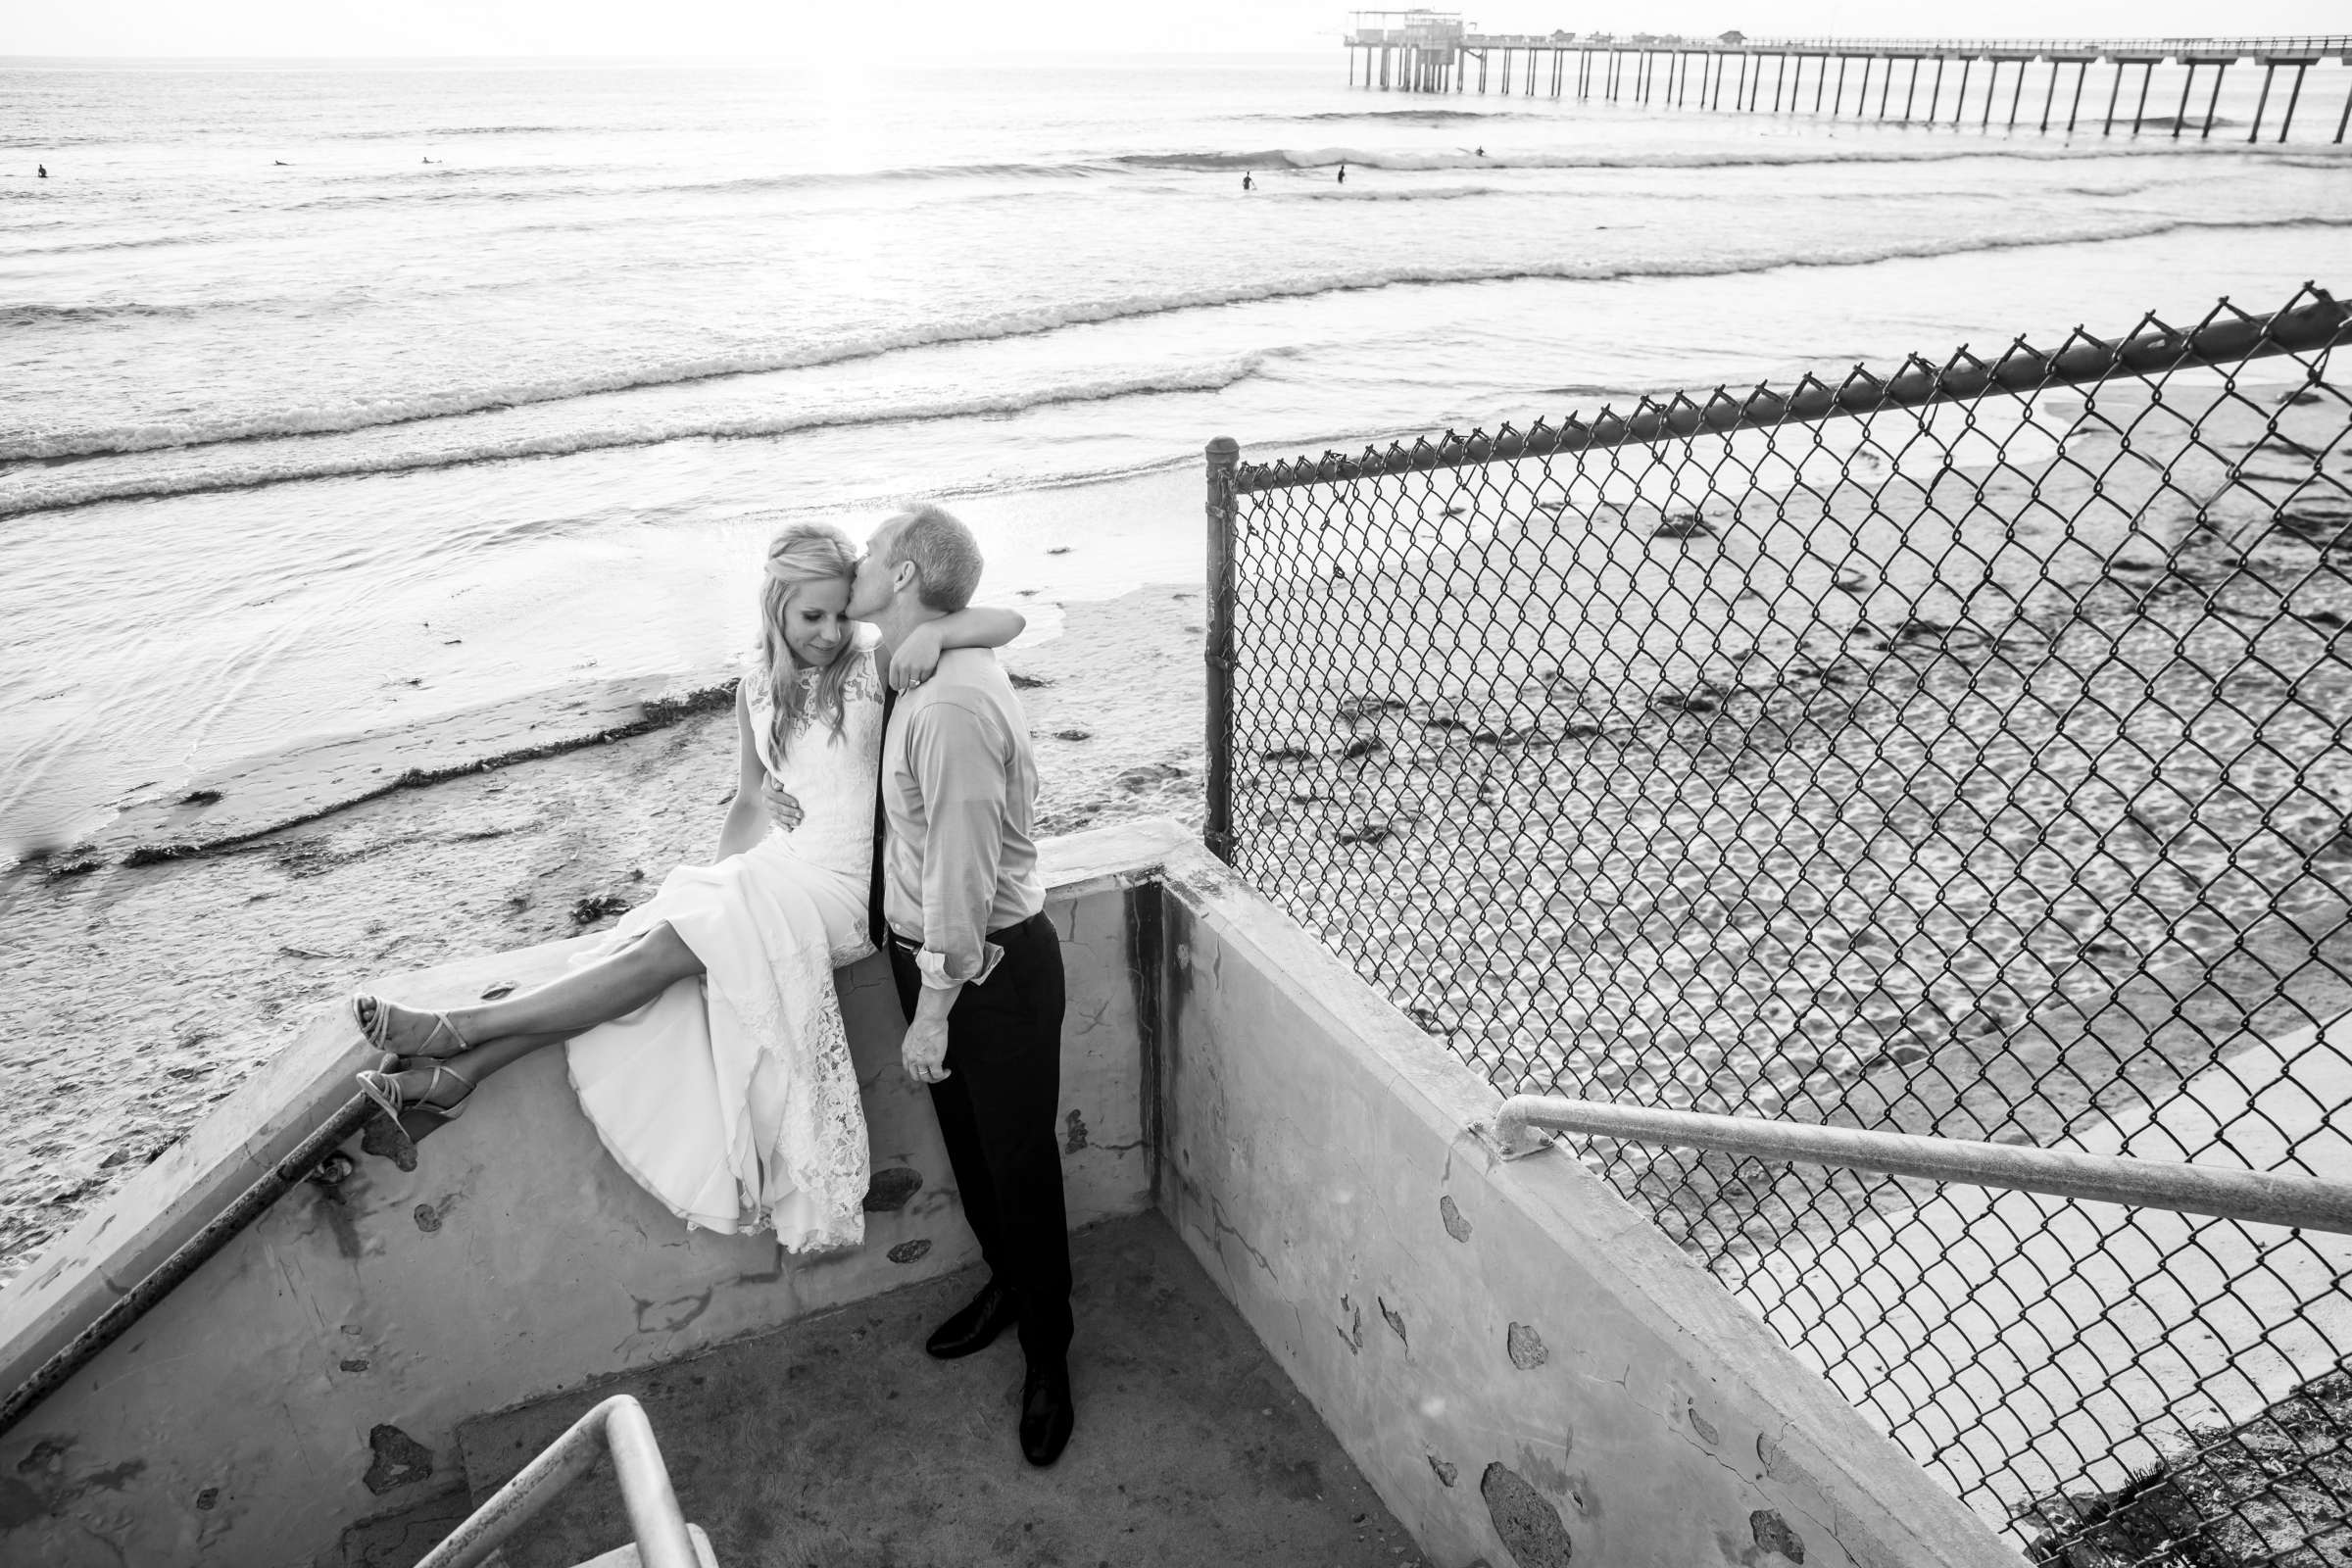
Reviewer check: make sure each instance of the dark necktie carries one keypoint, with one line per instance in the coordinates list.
(876, 926)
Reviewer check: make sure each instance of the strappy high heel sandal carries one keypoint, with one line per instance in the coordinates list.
(384, 1089)
(379, 1030)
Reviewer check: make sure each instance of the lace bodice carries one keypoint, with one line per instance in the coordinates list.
(832, 778)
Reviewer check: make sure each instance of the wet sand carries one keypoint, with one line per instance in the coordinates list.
(139, 994)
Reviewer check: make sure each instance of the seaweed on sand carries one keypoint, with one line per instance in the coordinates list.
(2266, 1491)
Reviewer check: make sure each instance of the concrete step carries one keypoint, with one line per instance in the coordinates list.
(838, 1442)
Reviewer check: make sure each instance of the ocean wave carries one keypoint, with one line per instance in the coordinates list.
(85, 315)
(1403, 114)
(1378, 193)
(50, 490)
(1279, 158)
(409, 183)
(428, 132)
(21, 445)
(76, 247)
(466, 185)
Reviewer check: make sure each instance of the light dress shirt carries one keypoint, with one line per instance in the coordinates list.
(959, 789)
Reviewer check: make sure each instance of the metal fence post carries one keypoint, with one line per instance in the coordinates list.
(1224, 453)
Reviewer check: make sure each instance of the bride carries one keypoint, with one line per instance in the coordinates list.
(706, 1041)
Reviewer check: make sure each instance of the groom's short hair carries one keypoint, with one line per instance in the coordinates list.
(946, 556)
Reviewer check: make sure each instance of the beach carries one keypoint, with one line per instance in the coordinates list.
(385, 463)
(140, 993)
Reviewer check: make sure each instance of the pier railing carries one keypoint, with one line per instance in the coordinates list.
(1955, 751)
(2330, 43)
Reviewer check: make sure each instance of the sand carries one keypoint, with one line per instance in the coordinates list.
(137, 995)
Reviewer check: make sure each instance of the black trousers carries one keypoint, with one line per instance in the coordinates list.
(997, 1110)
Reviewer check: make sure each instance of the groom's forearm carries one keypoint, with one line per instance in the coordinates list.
(933, 1002)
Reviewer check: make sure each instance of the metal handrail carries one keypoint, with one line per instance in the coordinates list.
(663, 1541)
(2319, 324)
(2261, 1198)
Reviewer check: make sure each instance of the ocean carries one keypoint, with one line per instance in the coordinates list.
(342, 400)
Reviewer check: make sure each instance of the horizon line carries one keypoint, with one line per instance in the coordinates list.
(713, 57)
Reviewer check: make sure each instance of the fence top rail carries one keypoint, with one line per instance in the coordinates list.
(2315, 319)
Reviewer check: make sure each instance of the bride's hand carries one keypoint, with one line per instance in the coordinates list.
(915, 656)
(783, 810)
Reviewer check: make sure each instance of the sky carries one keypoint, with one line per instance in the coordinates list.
(931, 29)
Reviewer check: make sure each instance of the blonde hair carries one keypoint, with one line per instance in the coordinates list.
(803, 553)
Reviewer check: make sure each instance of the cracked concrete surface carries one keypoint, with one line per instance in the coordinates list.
(838, 1442)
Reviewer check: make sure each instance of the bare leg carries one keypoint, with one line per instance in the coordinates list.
(508, 1030)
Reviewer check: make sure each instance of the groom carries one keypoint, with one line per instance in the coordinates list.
(959, 906)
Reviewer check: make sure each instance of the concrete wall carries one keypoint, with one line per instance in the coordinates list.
(1516, 1359)
(1520, 1363)
(312, 1374)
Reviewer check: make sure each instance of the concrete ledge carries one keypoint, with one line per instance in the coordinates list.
(1519, 1361)
(313, 1373)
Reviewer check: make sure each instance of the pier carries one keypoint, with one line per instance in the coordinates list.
(2037, 82)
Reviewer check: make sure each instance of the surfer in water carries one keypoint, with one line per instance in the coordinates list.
(1246, 184)
(43, 169)
(1343, 173)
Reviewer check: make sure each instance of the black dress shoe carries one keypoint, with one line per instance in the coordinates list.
(985, 1316)
(1047, 1413)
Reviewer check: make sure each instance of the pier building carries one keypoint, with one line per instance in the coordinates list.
(2038, 83)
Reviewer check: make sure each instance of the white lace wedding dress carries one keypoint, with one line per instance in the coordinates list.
(731, 1098)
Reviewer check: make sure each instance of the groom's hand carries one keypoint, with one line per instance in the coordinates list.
(782, 808)
(915, 658)
(925, 1051)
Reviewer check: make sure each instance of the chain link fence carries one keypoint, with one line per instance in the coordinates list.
(1956, 751)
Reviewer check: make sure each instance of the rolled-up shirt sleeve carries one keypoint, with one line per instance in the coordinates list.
(957, 758)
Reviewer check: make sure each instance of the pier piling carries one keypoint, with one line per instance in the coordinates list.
(2270, 68)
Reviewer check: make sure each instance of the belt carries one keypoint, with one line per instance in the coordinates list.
(997, 936)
